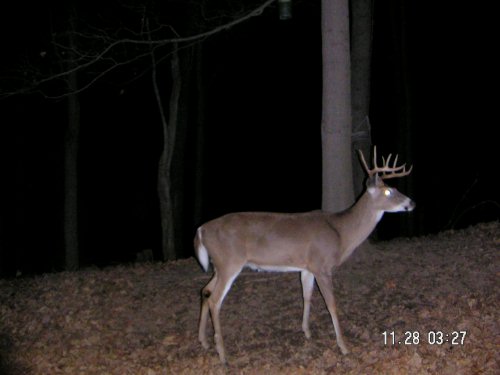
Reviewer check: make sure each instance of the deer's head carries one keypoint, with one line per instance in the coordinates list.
(384, 197)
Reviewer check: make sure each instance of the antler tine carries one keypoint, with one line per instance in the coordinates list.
(395, 161)
(388, 169)
(386, 161)
(395, 171)
(363, 161)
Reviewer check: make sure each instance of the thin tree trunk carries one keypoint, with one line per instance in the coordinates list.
(336, 113)
(179, 170)
(405, 127)
(165, 162)
(199, 156)
(71, 143)
(71, 181)
(361, 47)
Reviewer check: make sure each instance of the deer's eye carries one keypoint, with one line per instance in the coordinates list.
(387, 192)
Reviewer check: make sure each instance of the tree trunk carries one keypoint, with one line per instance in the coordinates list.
(336, 128)
(166, 211)
(71, 180)
(180, 168)
(71, 143)
(165, 162)
(199, 153)
(404, 127)
(361, 47)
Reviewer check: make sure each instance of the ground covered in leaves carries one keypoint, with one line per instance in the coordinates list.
(142, 319)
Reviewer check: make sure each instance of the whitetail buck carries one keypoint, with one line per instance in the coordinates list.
(313, 243)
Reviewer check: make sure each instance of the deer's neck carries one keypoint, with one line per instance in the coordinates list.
(355, 225)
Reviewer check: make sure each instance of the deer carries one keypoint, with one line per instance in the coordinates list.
(313, 243)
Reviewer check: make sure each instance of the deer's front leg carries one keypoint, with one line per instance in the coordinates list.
(324, 281)
(307, 279)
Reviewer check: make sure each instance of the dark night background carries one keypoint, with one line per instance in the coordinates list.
(262, 112)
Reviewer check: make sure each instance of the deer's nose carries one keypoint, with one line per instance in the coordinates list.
(410, 206)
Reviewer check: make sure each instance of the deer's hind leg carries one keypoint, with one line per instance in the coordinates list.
(221, 286)
(205, 294)
(307, 279)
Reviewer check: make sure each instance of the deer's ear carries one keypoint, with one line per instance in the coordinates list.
(371, 184)
(374, 181)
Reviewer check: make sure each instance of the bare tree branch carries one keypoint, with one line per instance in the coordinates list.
(85, 59)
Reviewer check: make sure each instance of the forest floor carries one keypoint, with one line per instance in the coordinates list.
(142, 318)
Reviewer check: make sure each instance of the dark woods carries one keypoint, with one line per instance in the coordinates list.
(116, 142)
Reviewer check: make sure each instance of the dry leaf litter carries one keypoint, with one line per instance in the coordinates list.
(142, 318)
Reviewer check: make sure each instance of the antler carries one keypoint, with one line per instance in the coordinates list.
(387, 170)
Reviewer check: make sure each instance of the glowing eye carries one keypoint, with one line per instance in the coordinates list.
(387, 192)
